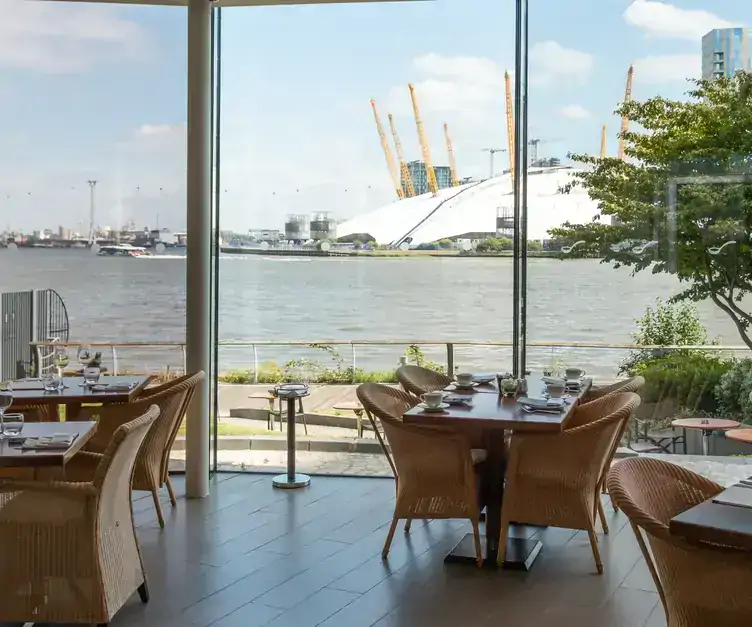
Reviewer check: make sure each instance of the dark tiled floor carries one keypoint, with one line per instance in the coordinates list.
(250, 555)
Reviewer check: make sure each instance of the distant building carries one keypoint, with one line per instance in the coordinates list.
(272, 236)
(418, 174)
(725, 51)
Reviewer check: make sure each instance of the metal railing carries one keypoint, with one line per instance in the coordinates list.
(450, 347)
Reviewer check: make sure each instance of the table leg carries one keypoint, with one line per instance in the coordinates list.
(359, 422)
(706, 441)
(291, 479)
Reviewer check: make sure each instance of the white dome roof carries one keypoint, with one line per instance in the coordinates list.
(473, 208)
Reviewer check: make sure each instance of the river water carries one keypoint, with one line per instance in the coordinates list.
(320, 299)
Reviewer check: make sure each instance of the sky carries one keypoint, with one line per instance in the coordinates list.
(98, 92)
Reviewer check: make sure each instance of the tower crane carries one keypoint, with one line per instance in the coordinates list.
(424, 148)
(510, 125)
(603, 142)
(387, 153)
(625, 119)
(492, 152)
(452, 163)
(407, 178)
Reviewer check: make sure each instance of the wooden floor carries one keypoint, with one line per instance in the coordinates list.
(250, 555)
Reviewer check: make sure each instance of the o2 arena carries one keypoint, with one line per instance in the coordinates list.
(474, 210)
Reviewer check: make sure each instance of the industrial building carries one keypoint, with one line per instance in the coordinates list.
(725, 51)
(475, 209)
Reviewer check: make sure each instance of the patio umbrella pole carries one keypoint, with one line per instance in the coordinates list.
(291, 479)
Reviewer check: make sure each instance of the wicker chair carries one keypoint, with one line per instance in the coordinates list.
(699, 584)
(418, 380)
(33, 413)
(633, 384)
(70, 549)
(555, 479)
(435, 474)
(152, 463)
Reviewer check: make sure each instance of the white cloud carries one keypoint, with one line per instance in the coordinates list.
(551, 62)
(451, 84)
(668, 68)
(155, 138)
(661, 19)
(64, 37)
(575, 112)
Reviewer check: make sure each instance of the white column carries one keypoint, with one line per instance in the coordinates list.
(198, 192)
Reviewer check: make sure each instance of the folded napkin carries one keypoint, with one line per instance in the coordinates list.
(113, 387)
(549, 380)
(27, 384)
(458, 399)
(59, 441)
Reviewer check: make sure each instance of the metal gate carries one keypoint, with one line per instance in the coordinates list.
(26, 317)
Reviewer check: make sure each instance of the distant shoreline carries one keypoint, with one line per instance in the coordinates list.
(383, 254)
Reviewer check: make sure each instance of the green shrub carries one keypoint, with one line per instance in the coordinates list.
(666, 324)
(734, 391)
(688, 379)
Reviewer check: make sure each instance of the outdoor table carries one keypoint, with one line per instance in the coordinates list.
(740, 435)
(74, 395)
(707, 426)
(494, 414)
(355, 408)
(12, 456)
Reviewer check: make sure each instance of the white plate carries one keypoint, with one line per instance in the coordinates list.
(428, 409)
(472, 385)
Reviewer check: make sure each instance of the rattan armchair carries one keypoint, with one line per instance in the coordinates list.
(418, 380)
(554, 479)
(152, 463)
(633, 384)
(435, 474)
(69, 550)
(699, 584)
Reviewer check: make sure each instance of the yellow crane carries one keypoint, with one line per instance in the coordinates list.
(407, 179)
(603, 142)
(424, 148)
(510, 125)
(387, 153)
(452, 164)
(625, 119)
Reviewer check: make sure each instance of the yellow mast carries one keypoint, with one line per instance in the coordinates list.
(424, 148)
(510, 125)
(625, 119)
(452, 164)
(387, 153)
(406, 177)
(603, 142)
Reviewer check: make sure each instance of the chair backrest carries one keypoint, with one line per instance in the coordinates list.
(418, 380)
(707, 584)
(633, 384)
(423, 455)
(173, 399)
(116, 467)
(598, 432)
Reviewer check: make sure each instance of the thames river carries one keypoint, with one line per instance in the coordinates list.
(320, 299)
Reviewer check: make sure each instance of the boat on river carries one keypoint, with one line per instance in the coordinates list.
(123, 250)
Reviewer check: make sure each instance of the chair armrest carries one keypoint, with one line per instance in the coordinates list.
(55, 487)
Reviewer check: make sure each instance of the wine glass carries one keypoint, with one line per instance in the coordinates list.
(6, 400)
(61, 360)
(84, 355)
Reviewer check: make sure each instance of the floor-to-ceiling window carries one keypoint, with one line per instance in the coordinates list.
(92, 186)
(639, 213)
(366, 213)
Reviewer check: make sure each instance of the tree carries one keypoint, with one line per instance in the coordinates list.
(697, 152)
(445, 243)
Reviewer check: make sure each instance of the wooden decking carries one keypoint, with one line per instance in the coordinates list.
(250, 555)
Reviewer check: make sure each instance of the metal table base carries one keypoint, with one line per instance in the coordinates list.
(291, 479)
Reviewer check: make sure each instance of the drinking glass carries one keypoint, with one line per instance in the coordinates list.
(6, 400)
(12, 425)
(91, 375)
(51, 382)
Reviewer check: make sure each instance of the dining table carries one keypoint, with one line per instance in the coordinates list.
(494, 415)
(13, 455)
(74, 394)
(715, 523)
